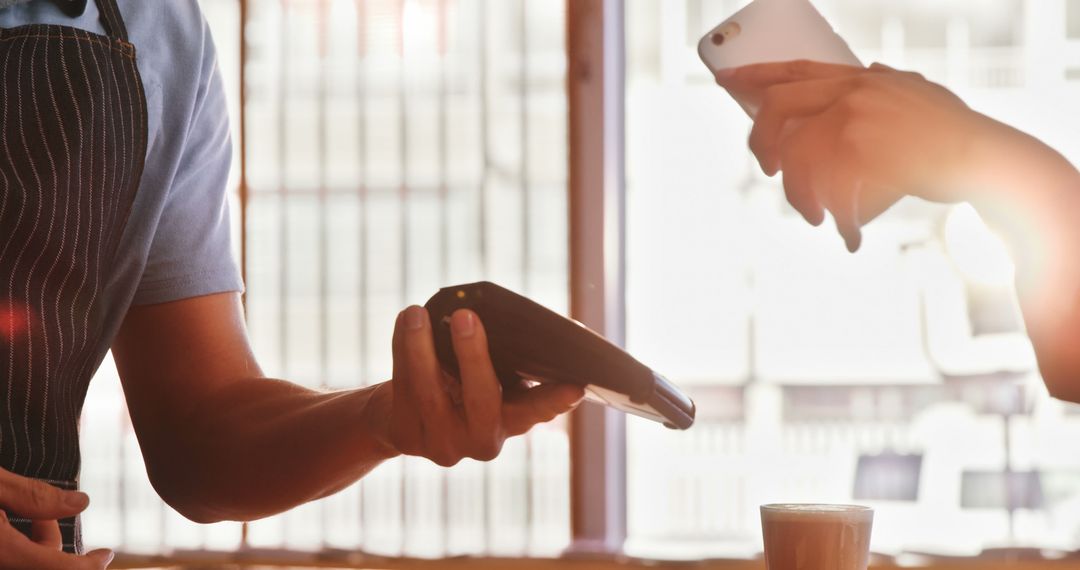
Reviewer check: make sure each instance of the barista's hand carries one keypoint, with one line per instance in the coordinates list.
(853, 140)
(433, 416)
(44, 505)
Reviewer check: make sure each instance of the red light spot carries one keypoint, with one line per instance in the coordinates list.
(13, 323)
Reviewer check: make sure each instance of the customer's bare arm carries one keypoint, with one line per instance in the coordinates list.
(853, 141)
(222, 442)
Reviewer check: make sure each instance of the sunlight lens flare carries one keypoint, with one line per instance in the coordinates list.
(979, 254)
(13, 322)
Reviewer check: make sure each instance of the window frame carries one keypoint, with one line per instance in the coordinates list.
(597, 209)
(595, 85)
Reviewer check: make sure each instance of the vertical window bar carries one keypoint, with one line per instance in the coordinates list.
(283, 191)
(444, 224)
(243, 182)
(485, 158)
(403, 233)
(595, 50)
(121, 479)
(485, 155)
(321, 145)
(444, 142)
(526, 229)
(403, 156)
(243, 191)
(523, 126)
(362, 261)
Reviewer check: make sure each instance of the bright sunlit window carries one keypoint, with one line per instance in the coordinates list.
(396, 146)
(393, 147)
(899, 377)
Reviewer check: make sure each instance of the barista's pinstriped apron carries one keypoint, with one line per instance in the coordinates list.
(72, 145)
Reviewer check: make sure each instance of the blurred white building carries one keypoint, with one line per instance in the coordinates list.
(883, 377)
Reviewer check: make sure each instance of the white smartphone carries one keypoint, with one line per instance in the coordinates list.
(766, 31)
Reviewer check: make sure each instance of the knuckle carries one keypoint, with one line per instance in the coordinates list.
(849, 137)
(545, 412)
(445, 458)
(866, 82)
(488, 450)
(444, 451)
(40, 495)
(407, 446)
(849, 105)
(858, 100)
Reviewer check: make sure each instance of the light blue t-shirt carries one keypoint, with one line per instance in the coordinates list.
(177, 241)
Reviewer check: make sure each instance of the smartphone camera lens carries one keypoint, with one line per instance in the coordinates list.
(727, 32)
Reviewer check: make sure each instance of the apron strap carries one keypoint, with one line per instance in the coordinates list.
(111, 19)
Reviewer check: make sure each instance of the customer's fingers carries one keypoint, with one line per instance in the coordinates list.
(842, 200)
(874, 200)
(781, 104)
(761, 75)
(801, 161)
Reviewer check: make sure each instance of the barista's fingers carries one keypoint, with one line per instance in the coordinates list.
(47, 533)
(543, 403)
(481, 391)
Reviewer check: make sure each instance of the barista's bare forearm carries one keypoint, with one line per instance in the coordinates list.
(220, 441)
(262, 446)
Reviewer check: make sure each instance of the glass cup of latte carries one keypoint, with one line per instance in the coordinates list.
(816, 537)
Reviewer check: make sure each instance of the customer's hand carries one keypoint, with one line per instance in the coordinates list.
(433, 416)
(44, 505)
(854, 141)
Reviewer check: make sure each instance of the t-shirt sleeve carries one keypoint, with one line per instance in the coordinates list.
(191, 252)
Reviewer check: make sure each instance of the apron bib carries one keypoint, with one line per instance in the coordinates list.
(72, 145)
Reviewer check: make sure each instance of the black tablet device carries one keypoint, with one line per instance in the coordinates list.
(529, 342)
